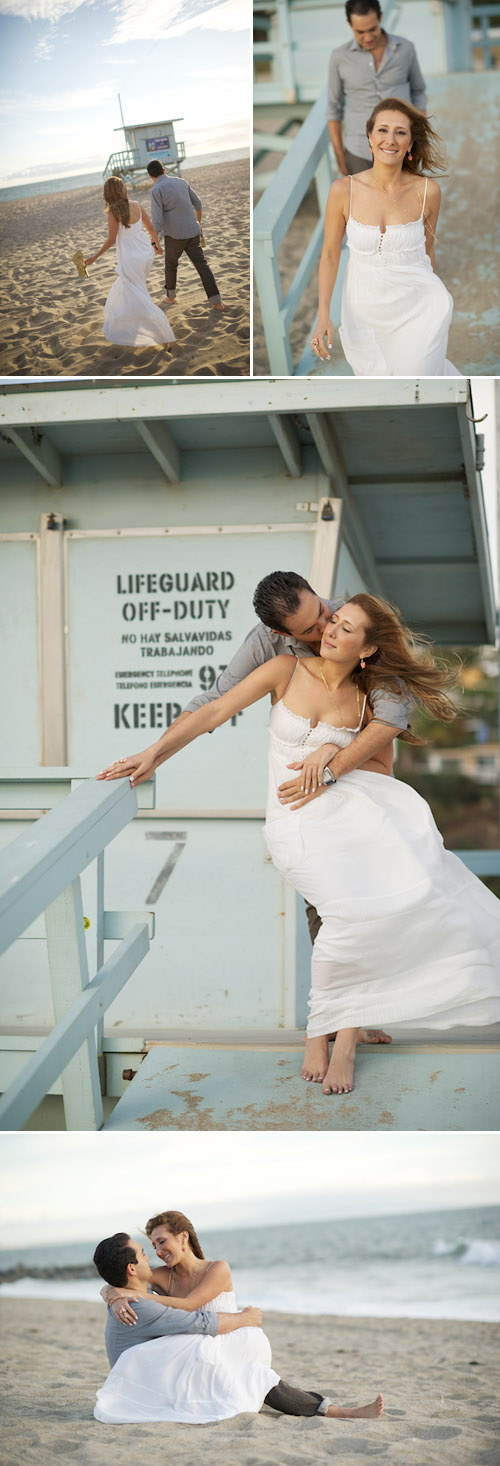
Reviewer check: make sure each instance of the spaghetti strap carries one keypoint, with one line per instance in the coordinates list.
(350, 195)
(297, 660)
(360, 724)
(425, 196)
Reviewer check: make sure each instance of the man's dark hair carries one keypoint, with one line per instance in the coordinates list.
(278, 596)
(155, 169)
(362, 7)
(112, 1257)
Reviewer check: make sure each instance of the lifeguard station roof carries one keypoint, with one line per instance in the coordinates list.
(402, 455)
(164, 122)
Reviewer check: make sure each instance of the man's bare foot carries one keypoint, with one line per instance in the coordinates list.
(216, 305)
(339, 1076)
(315, 1059)
(364, 1412)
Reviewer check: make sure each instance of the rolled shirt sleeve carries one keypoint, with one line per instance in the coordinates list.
(157, 211)
(335, 91)
(196, 202)
(391, 707)
(417, 84)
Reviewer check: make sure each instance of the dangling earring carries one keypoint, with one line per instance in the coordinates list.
(362, 664)
(410, 156)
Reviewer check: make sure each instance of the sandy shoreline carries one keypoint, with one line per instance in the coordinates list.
(438, 1379)
(52, 320)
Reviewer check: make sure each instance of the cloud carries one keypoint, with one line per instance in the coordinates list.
(81, 99)
(45, 10)
(161, 20)
(45, 47)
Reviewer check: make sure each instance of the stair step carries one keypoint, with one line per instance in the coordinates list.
(250, 1086)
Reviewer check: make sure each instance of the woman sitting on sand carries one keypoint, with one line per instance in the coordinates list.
(395, 313)
(408, 934)
(130, 316)
(217, 1377)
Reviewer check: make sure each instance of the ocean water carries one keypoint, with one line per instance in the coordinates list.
(94, 180)
(443, 1264)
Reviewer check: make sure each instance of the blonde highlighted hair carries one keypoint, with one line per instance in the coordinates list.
(403, 656)
(116, 200)
(175, 1222)
(428, 153)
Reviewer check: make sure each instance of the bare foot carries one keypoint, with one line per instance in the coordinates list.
(315, 1059)
(373, 1036)
(216, 305)
(366, 1036)
(364, 1412)
(339, 1076)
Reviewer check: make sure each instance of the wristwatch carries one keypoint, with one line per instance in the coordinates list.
(328, 777)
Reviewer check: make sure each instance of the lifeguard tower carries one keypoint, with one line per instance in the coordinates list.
(144, 141)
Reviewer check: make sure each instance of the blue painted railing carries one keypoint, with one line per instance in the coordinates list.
(489, 18)
(40, 873)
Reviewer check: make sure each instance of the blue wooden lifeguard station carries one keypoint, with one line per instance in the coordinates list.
(458, 45)
(135, 521)
(144, 141)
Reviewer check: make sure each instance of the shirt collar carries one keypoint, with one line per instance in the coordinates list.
(392, 41)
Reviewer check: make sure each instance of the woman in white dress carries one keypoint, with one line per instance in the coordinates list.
(408, 934)
(396, 312)
(198, 1378)
(130, 316)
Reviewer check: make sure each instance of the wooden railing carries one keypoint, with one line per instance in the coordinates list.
(40, 873)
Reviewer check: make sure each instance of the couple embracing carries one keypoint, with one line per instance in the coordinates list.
(403, 933)
(183, 1352)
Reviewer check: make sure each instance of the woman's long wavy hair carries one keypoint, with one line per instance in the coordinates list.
(116, 200)
(176, 1222)
(428, 153)
(402, 654)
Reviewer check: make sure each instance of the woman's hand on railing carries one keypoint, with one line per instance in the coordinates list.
(323, 329)
(139, 767)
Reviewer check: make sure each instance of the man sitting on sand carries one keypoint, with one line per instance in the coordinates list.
(123, 1264)
(176, 214)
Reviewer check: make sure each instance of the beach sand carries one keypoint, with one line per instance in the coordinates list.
(438, 1378)
(53, 320)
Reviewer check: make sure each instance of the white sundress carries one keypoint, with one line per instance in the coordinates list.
(396, 312)
(192, 1378)
(408, 934)
(130, 316)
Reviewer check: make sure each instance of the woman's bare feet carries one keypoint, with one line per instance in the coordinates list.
(364, 1412)
(367, 1036)
(315, 1059)
(339, 1076)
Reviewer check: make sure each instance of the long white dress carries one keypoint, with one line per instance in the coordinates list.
(192, 1378)
(408, 935)
(396, 312)
(130, 316)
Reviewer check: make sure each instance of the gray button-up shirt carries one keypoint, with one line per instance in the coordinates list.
(173, 203)
(355, 86)
(261, 644)
(154, 1321)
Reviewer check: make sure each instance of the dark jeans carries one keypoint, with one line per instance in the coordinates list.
(174, 248)
(355, 164)
(291, 1401)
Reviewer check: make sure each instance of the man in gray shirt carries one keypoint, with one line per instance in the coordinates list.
(123, 1263)
(176, 214)
(372, 65)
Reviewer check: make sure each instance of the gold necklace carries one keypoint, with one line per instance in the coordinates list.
(380, 189)
(330, 694)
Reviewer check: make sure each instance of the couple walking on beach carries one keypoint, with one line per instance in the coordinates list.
(130, 316)
(403, 932)
(184, 1352)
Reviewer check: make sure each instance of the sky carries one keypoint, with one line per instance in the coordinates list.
(60, 1188)
(65, 61)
